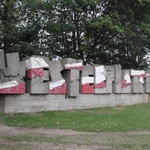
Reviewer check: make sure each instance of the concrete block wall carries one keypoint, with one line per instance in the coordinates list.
(67, 76)
(12, 72)
(36, 103)
(125, 81)
(87, 80)
(57, 84)
(67, 84)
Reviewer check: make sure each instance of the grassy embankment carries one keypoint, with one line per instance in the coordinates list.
(117, 119)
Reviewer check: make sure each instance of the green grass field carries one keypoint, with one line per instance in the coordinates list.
(117, 119)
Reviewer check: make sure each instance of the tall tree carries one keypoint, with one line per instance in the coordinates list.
(106, 32)
(97, 31)
(20, 26)
(66, 27)
(122, 34)
(8, 22)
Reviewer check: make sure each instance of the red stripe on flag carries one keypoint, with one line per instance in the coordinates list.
(34, 72)
(100, 85)
(59, 89)
(19, 89)
(87, 89)
(75, 67)
(124, 84)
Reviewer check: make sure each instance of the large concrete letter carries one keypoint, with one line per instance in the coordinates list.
(117, 79)
(87, 80)
(126, 81)
(57, 84)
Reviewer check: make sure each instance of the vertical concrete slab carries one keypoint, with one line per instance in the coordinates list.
(134, 84)
(109, 78)
(2, 59)
(22, 68)
(117, 79)
(126, 81)
(87, 80)
(13, 63)
(140, 74)
(100, 79)
(72, 79)
(69, 63)
(1, 78)
(147, 82)
(141, 87)
(55, 69)
(37, 86)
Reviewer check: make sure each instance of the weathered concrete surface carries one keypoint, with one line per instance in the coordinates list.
(36, 103)
(2, 60)
(13, 63)
(72, 80)
(2, 103)
(117, 79)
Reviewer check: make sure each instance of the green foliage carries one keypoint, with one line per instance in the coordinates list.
(119, 119)
(20, 25)
(97, 31)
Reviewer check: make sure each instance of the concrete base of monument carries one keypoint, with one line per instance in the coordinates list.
(36, 103)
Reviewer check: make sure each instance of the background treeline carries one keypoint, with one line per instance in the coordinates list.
(97, 31)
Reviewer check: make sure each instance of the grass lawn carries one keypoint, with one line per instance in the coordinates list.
(117, 119)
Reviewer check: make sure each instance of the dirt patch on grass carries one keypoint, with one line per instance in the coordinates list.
(54, 139)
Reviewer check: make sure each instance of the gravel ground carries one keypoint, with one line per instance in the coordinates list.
(15, 138)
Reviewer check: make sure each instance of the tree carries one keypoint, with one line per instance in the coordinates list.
(66, 27)
(104, 32)
(8, 21)
(20, 26)
(122, 35)
(98, 31)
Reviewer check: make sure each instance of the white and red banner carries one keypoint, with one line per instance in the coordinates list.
(140, 73)
(87, 85)
(74, 66)
(100, 77)
(58, 87)
(12, 87)
(126, 81)
(34, 67)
